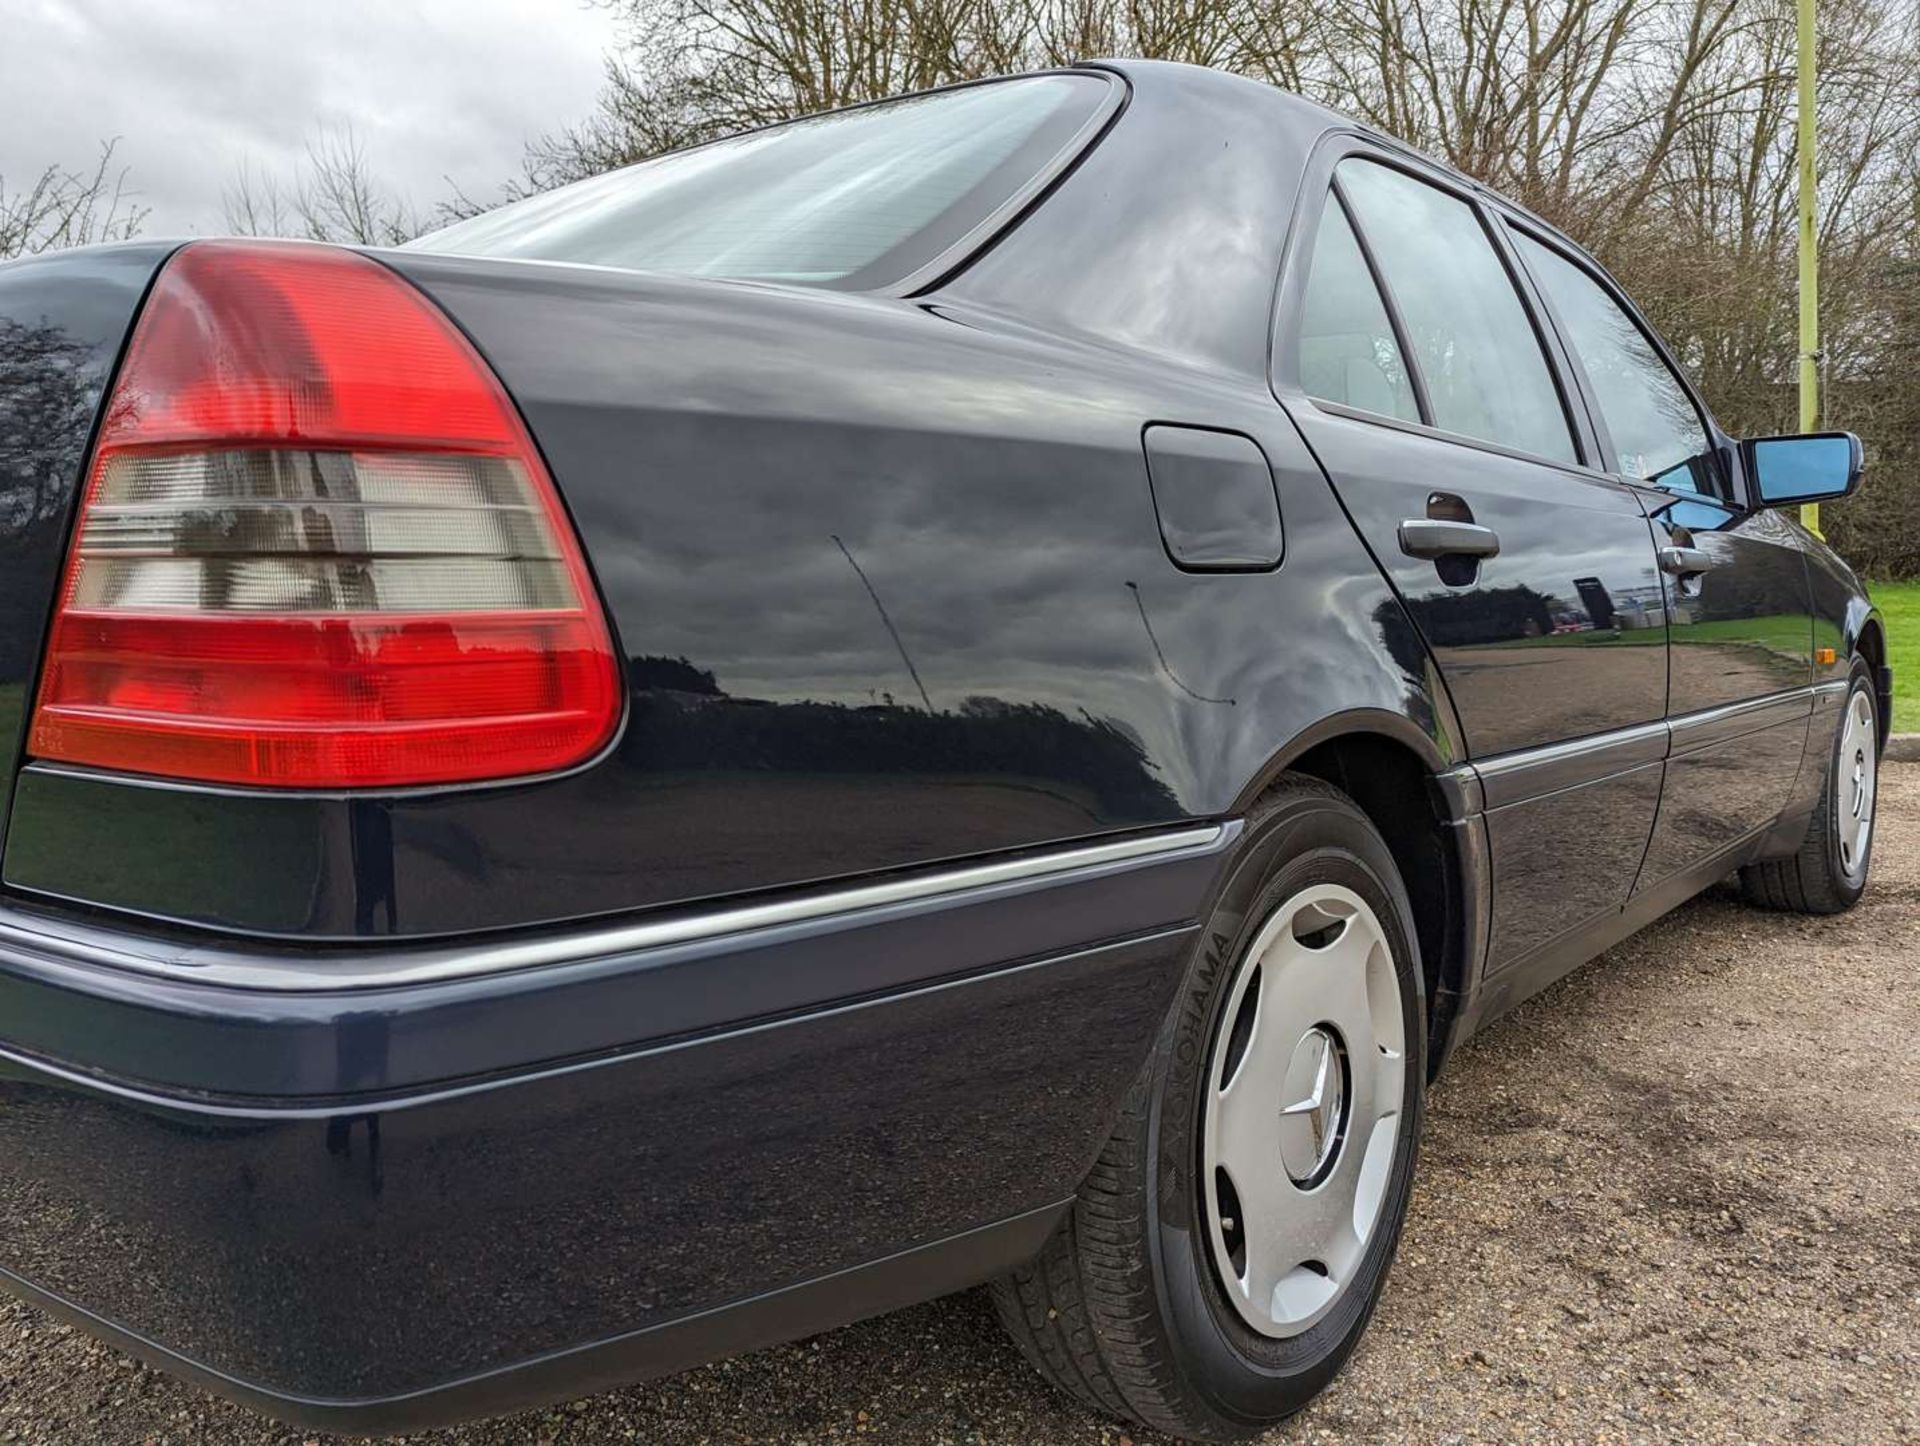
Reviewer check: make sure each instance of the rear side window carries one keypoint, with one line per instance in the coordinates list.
(851, 200)
(1485, 373)
(1348, 353)
(1652, 421)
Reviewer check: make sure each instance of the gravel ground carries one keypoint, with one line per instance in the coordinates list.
(1675, 1198)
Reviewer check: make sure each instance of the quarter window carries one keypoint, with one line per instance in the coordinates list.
(1348, 353)
(1485, 373)
(1655, 430)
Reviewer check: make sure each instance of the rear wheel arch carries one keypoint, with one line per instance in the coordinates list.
(1128, 1307)
(1393, 780)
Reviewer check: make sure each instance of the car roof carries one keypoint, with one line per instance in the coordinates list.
(1308, 120)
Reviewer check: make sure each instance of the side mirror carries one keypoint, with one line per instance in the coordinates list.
(1816, 467)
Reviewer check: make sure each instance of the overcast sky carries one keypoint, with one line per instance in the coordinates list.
(432, 88)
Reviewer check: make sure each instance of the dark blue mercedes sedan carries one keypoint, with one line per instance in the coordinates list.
(973, 689)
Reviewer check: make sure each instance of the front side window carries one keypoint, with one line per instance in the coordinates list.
(855, 199)
(1485, 372)
(1348, 353)
(1657, 435)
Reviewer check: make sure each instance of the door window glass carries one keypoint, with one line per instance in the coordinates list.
(1657, 434)
(1472, 340)
(1347, 349)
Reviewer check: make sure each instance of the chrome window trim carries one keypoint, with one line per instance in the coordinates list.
(394, 966)
(1575, 471)
(1343, 143)
(1547, 237)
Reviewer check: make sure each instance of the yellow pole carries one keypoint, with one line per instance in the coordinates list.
(1809, 252)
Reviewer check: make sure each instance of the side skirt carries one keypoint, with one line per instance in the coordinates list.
(1529, 975)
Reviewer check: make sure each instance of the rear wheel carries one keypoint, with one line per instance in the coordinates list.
(1829, 872)
(1228, 1247)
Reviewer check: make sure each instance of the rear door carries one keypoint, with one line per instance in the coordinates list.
(1415, 363)
(1739, 604)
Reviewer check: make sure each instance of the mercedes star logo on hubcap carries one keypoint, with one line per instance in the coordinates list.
(1316, 1095)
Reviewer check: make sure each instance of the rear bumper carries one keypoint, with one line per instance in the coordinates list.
(389, 1205)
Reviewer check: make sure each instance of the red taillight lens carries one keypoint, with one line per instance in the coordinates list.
(317, 548)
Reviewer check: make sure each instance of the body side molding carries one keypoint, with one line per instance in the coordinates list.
(1509, 778)
(359, 969)
(1711, 726)
(1516, 777)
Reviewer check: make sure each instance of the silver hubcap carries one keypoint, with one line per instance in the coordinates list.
(1303, 1109)
(1854, 788)
(1310, 1127)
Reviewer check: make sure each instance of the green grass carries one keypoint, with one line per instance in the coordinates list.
(1899, 604)
(1777, 632)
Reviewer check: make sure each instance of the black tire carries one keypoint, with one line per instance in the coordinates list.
(1124, 1308)
(1815, 879)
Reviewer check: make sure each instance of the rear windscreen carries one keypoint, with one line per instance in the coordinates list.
(854, 199)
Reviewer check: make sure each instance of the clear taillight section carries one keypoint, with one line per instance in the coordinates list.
(317, 532)
(317, 548)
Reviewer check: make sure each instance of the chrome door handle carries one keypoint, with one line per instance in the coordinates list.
(1432, 537)
(1685, 561)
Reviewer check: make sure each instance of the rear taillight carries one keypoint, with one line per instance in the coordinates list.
(317, 548)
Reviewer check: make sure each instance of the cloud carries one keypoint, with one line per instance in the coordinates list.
(434, 89)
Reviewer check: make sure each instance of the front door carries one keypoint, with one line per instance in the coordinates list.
(1742, 631)
(1415, 368)
(1738, 601)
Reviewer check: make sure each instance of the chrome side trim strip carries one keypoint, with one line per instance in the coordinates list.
(393, 966)
(1735, 720)
(1511, 778)
(1829, 703)
(1516, 777)
(412, 1096)
(1461, 793)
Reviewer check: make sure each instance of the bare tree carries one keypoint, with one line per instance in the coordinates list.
(1658, 132)
(691, 69)
(334, 196)
(257, 204)
(63, 207)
